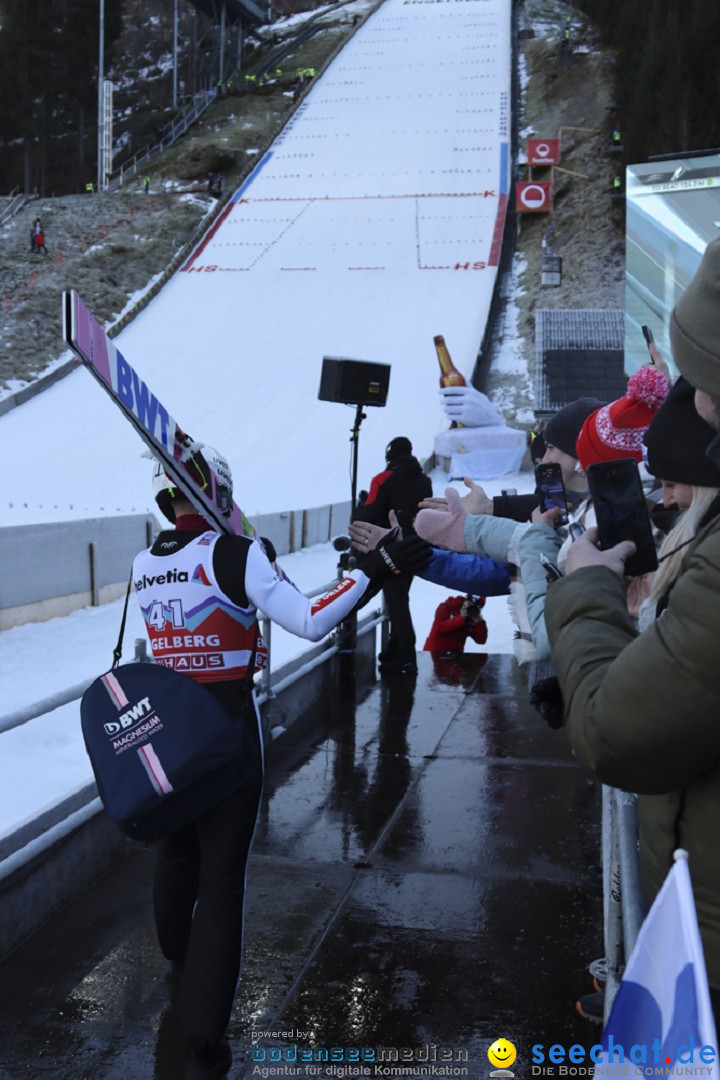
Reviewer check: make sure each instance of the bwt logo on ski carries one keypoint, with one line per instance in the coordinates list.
(129, 717)
(133, 393)
(169, 578)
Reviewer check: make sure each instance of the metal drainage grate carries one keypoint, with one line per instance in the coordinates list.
(578, 353)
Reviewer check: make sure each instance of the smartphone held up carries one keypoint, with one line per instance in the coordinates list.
(552, 490)
(621, 511)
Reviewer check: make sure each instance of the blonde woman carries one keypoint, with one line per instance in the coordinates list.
(677, 442)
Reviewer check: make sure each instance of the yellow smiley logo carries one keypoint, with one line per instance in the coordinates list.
(502, 1053)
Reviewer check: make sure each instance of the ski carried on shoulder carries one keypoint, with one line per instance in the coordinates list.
(162, 434)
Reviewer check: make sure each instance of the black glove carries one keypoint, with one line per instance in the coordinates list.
(547, 698)
(396, 556)
(269, 548)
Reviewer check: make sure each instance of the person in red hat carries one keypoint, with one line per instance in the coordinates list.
(616, 430)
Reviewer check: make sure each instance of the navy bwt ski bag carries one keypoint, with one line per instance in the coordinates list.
(163, 749)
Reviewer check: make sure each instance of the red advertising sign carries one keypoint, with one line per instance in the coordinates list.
(543, 151)
(533, 196)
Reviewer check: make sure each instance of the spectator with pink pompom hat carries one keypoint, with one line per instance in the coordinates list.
(617, 430)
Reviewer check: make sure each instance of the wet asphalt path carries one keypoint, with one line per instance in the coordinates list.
(422, 880)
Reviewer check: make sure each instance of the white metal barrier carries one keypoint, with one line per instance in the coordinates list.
(624, 904)
(267, 687)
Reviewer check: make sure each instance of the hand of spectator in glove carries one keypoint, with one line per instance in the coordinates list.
(394, 555)
(444, 528)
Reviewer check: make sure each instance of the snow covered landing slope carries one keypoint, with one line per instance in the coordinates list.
(372, 224)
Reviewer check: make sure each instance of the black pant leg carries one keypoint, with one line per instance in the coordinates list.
(175, 888)
(396, 590)
(212, 963)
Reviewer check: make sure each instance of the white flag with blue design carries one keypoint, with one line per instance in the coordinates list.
(661, 1015)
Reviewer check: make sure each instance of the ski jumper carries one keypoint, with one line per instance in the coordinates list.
(199, 593)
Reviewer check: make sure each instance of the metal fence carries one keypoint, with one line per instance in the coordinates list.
(15, 203)
(269, 684)
(168, 136)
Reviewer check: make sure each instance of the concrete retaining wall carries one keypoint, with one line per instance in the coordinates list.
(53, 569)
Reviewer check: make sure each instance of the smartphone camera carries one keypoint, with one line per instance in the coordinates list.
(621, 511)
(552, 490)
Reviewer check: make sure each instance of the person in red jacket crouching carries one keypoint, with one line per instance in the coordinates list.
(457, 619)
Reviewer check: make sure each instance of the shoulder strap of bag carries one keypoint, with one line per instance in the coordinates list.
(117, 651)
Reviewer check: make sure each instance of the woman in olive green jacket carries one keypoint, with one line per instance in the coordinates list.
(643, 711)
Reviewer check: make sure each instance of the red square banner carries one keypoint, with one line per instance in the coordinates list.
(543, 151)
(533, 197)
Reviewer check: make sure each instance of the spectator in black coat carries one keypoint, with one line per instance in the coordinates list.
(398, 488)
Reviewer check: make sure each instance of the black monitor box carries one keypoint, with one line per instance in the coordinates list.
(354, 382)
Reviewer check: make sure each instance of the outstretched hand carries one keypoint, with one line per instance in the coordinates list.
(475, 502)
(444, 528)
(365, 537)
(585, 552)
(393, 555)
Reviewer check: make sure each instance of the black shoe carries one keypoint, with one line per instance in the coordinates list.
(205, 1063)
(591, 1007)
(388, 653)
(399, 667)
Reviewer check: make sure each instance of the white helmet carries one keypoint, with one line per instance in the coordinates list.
(200, 455)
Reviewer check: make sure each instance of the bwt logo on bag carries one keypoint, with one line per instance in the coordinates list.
(129, 717)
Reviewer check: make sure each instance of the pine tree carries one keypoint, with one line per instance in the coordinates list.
(667, 75)
(48, 72)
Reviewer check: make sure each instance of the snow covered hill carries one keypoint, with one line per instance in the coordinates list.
(371, 225)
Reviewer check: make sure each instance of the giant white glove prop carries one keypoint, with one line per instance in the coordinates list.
(469, 407)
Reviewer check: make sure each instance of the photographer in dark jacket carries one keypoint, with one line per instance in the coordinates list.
(399, 488)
